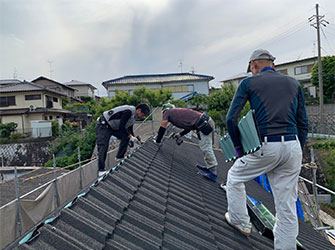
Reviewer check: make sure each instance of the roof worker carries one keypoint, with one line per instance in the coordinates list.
(118, 122)
(279, 106)
(189, 119)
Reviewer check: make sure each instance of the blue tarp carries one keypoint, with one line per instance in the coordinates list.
(263, 180)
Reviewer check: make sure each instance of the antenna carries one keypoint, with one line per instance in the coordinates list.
(50, 68)
(14, 73)
(181, 65)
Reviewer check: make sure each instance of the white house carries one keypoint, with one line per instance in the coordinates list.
(298, 69)
(82, 88)
(181, 84)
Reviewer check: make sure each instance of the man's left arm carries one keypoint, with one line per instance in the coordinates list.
(161, 131)
(302, 120)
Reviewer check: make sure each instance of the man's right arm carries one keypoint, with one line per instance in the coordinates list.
(302, 120)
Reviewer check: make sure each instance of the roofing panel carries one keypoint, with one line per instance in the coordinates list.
(157, 78)
(156, 200)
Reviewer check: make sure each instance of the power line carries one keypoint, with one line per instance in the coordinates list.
(327, 40)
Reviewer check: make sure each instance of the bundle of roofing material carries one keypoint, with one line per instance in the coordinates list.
(249, 134)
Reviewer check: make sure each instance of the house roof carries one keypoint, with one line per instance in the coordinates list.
(9, 81)
(297, 61)
(47, 79)
(238, 76)
(78, 83)
(156, 200)
(26, 87)
(157, 78)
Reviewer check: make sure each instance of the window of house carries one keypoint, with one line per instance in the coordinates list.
(301, 70)
(50, 117)
(55, 99)
(6, 101)
(32, 97)
(45, 118)
(177, 88)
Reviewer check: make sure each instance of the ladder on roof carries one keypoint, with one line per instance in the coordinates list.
(308, 204)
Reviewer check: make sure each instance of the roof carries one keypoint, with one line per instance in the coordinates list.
(9, 81)
(157, 78)
(26, 87)
(78, 83)
(236, 77)
(156, 200)
(47, 79)
(297, 61)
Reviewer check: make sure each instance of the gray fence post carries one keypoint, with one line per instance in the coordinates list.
(55, 180)
(80, 171)
(18, 210)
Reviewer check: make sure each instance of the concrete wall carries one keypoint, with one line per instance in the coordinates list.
(25, 154)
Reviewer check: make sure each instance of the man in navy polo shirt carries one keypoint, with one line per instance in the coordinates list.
(281, 117)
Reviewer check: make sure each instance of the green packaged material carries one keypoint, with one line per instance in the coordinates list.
(250, 137)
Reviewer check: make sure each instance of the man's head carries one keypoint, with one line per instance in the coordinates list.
(167, 106)
(142, 110)
(259, 59)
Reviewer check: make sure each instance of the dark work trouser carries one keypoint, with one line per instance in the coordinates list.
(103, 132)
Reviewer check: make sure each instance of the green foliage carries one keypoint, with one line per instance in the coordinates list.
(328, 155)
(7, 128)
(199, 101)
(179, 103)
(55, 128)
(328, 76)
(15, 137)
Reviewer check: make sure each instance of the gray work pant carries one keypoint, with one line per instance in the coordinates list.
(282, 162)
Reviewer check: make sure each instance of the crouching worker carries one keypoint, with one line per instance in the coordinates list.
(189, 119)
(119, 122)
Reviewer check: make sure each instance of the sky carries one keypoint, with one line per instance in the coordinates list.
(98, 40)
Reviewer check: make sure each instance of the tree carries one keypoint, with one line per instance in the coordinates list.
(328, 76)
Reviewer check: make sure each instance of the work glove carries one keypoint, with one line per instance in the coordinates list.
(134, 139)
(239, 151)
(178, 138)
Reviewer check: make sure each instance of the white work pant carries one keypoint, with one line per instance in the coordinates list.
(206, 146)
(282, 162)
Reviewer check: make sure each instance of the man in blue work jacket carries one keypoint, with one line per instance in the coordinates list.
(281, 117)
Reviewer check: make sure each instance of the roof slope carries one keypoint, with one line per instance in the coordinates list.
(157, 78)
(156, 200)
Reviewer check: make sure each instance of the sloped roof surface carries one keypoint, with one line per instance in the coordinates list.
(158, 78)
(79, 83)
(25, 87)
(156, 200)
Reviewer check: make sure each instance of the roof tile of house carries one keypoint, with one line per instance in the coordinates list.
(156, 200)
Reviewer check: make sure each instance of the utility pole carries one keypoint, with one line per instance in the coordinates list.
(319, 20)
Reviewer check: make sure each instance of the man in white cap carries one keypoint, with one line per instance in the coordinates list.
(279, 106)
(189, 119)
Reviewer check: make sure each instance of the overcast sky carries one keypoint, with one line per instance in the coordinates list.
(98, 40)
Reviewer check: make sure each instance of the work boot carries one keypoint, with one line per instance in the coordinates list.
(203, 168)
(210, 176)
(244, 229)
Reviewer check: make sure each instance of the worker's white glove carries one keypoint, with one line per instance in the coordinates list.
(133, 139)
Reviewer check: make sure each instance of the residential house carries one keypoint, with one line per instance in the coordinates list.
(57, 86)
(83, 89)
(298, 69)
(22, 102)
(235, 80)
(181, 84)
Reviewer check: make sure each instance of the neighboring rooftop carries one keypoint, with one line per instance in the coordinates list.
(47, 79)
(157, 78)
(25, 87)
(296, 61)
(156, 200)
(78, 83)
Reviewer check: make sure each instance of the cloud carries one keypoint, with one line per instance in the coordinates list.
(94, 41)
